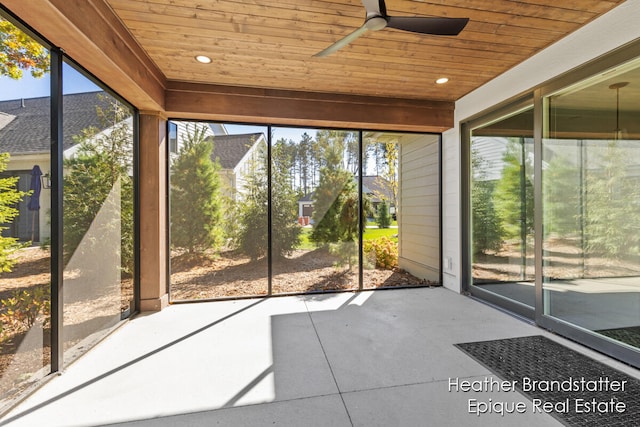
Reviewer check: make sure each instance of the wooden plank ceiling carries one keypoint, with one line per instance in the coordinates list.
(270, 44)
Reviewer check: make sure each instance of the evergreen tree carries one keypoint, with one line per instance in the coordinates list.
(305, 154)
(252, 211)
(335, 209)
(195, 195)
(390, 172)
(383, 219)
(336, 187)
(101, 167)
(284, 208)
(9, 197)
(486, 227)
(611, 216)
(251, 233)
(514, 194)
(562, 197)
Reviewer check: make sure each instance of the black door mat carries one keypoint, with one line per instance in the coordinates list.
(575, 389)
(629, 335)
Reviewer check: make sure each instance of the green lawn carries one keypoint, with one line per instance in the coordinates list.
(376, 233)
(372, 223)
(369, 234)
(305, 243)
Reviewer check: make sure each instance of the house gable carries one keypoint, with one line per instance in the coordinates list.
(233, 150)
(30, 130)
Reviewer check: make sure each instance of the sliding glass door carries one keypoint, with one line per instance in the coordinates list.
(591, 199)
(98, 209)
(502, 206)
(553, 205)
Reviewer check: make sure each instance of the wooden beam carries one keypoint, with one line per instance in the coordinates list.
(90, 33)
(254, 105)
(154, 254)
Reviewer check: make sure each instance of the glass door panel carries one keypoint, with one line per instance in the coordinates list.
(591, 200)
(502, 208)
(25, 201)
(98, 201)
(219, 210)
(315, 220)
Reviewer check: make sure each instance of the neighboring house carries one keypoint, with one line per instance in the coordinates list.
(236, 154)
(25, 135)
(305, 206)
(239, 156)
(378, 189)
(375, 187)
(180, 129)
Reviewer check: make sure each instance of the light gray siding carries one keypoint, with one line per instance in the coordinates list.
(419, 213)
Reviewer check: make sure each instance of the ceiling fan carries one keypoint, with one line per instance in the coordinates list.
(377, 19)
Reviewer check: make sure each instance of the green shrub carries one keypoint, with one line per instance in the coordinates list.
(21, 310)
(385, 251)
(383, 219)
(9, 198)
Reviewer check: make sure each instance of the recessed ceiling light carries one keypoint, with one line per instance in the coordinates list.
(442, 80)
(203, 59)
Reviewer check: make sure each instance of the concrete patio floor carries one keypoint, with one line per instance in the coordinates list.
(382, 358)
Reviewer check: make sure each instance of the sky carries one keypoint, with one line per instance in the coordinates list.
(30, 87)
(278, 132)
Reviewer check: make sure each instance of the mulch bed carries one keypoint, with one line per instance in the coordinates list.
(234, 275)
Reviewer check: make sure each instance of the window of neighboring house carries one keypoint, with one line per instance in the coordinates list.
(173, 137)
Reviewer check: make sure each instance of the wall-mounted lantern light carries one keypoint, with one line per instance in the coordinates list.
(46, 181)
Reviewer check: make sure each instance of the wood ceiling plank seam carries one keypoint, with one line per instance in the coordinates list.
(597, 6)
(519, 8)
(276, 10)
(463, 8)
(228, 25)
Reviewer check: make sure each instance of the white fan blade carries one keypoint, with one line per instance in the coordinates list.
(343, 42)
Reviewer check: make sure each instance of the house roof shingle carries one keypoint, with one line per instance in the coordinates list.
(29, 131)
(230, 149)
(376, 186)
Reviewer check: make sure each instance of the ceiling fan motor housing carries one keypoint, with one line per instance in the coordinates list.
(375, 23)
